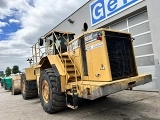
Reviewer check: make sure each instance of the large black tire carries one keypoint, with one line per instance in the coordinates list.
(15, 91)
(29, 90)
(5, 87)
(57, 99)
(12, 91)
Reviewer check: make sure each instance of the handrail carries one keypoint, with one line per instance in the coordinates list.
(80, 62)
(75, 71)
(65, 70)
(74, 63)
(59, 52)
(39, 51)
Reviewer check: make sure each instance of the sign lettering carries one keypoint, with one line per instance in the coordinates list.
(101, 10)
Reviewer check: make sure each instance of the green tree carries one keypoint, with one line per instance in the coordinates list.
(2, 75)
(15, 69)
(8, 71)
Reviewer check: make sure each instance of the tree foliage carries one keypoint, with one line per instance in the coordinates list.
(2, 75)
(8, 71)
(15, 69)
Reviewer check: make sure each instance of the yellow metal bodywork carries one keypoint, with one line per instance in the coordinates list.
(93, 89)
(55, 60)
(96, 55)
(99, 57)
(30, 74)
(99, 81)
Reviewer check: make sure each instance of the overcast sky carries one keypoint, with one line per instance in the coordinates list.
(22, 22)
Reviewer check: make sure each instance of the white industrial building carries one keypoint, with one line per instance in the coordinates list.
(139, 17)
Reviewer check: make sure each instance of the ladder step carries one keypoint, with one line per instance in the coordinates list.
(70, 67)
(65, 55)
(72, 107)
(69, 64)
(72, 73)
(70, 70)
(73, 76)
(72, 101)
(66, 59)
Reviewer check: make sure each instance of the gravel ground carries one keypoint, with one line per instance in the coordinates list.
(125, 105)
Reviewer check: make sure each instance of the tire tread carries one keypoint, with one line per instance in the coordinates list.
(31, 89)
(58, 102)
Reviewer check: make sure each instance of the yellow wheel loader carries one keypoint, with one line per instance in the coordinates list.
(16, 84)
(95, 64)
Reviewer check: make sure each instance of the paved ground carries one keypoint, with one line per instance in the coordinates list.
(125, 105)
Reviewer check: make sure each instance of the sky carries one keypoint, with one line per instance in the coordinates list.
(22, 22)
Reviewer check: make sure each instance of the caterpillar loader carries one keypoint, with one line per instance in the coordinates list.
(94, 64)
(16, 84)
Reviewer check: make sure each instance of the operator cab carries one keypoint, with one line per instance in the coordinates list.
(61, 39)
(56, 42)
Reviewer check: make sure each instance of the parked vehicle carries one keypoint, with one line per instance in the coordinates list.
(16, 84)
(2, 81)
(7, 83)
(95, 64)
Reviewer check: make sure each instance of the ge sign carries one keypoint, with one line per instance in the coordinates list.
(97, 11)
(103, 9)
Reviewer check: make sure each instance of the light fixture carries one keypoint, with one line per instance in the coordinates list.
(40, 40)
(30, 60)
(85, 27)
(70, 20)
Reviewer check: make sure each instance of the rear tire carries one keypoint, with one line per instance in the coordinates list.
(28, 88)
(5, 86)
(12, 91)
(1, 84)
(15, 91)
(51, 97)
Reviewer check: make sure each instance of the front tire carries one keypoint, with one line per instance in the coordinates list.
(5, 86)
(28, 88)
(15, 91)
(51, 97)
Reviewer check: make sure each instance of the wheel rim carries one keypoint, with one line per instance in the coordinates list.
(45, 91)
(23, 86)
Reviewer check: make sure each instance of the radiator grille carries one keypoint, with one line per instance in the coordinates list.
(121, 55)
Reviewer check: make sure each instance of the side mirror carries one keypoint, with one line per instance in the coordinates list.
(40, 41)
